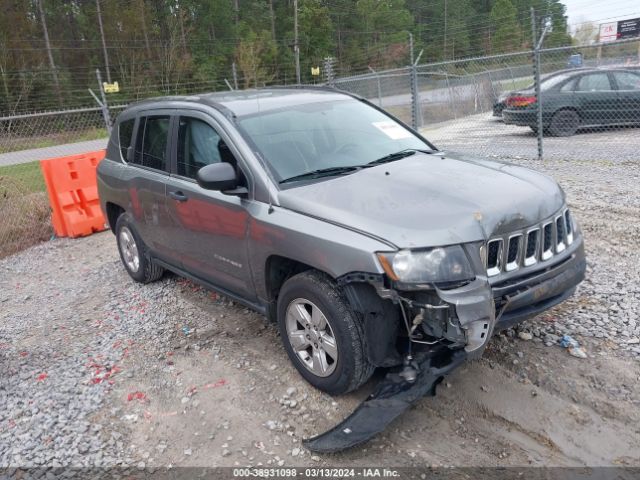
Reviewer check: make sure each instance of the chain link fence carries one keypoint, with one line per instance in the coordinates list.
(589, 103)
(488, 106)
(24, 140)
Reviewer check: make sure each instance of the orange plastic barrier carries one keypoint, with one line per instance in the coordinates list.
(73, 194)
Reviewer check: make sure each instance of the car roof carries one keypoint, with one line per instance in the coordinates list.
(247, 102)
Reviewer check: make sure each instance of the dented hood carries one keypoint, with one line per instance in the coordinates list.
(431, 200)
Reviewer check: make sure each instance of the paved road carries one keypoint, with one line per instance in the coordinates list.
(24, 156)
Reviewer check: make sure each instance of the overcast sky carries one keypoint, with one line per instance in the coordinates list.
(600, 11)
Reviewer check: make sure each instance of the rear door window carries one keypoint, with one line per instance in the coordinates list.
(595, 82)
(151, 144)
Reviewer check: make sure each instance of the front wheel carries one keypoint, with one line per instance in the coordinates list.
(322, 334)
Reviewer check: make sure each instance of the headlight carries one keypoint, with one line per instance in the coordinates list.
(442, 264)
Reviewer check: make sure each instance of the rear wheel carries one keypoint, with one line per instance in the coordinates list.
(322, 334)
(133, 253)
(564, 123)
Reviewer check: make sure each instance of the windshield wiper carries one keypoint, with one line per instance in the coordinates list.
(392, 157)
(323, 172)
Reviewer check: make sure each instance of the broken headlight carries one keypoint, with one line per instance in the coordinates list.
(435, 265)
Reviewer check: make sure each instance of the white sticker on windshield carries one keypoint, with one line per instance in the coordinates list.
(392, 130)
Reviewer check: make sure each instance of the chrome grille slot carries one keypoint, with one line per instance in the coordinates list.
(530, 255)
(494, 257)
(560, 245)
(547, 241)
(513, 253)
(568, 225)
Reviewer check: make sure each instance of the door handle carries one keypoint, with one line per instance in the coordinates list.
(179, 196)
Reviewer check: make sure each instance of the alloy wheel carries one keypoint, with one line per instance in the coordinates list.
(311, 337)
(129, 249)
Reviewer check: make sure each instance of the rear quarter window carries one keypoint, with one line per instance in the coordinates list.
(125, 132)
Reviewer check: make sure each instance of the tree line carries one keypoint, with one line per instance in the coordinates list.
(50, 49)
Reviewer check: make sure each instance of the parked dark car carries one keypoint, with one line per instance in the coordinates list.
(501, 102)
(363, 241)
(582, 99)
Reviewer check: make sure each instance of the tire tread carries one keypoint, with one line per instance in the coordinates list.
(325, 286)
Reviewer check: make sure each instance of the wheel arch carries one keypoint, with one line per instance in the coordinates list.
(113, 211)
(568, 107)
(278, 269)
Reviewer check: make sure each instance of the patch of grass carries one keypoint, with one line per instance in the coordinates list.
(28, 143)
(27, 175)
(25, 216)
(24, 208)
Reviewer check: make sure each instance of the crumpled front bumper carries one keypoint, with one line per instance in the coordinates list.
(530, 296)
(482, 308)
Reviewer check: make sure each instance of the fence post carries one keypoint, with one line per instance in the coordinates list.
(451, 99)
(329, 70)
(234, 71)
(416, 112)
(536, 76)
(103, 106)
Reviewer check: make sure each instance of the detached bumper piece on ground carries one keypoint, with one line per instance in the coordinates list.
(393, 395)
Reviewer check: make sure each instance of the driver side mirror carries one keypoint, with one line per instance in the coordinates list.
(218, 176)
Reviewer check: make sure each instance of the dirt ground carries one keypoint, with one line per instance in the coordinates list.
(205, 383)
(169, 374)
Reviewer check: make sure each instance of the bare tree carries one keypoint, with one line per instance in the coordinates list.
(52, 64)
(104, 42)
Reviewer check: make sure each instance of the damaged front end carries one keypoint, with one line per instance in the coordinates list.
(422, 333)
(435, 308)
(448, 301)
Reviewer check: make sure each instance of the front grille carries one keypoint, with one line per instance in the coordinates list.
(538, 243)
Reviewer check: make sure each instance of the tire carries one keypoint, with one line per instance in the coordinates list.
(133, 252)
(564, 123)
(314, 292)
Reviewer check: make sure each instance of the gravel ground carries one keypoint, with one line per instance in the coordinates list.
(100, 371)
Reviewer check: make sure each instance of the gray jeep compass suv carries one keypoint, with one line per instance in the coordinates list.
(363, 241)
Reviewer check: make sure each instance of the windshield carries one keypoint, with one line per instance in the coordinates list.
(315, 136)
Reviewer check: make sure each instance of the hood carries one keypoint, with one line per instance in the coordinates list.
(431, 200)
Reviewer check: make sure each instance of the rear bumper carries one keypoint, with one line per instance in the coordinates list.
(523, 118)
(523, 299)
